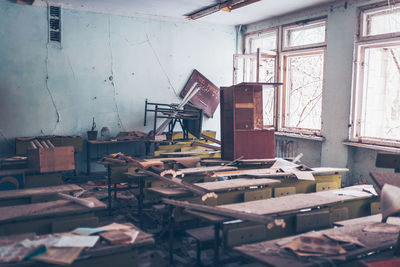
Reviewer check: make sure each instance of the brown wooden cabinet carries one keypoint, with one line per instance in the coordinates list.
(242, 131)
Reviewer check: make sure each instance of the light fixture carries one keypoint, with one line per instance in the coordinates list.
(227, 6)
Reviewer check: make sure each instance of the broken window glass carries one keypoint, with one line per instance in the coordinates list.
(304, 83)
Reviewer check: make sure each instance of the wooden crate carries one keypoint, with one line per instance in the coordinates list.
(52, 159)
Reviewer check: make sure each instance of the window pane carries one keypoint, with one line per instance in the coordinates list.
(305, 35)
(304, 81)
(387, 21)
(268, 109)
(267, 70)
(381, 113)
(264, 41)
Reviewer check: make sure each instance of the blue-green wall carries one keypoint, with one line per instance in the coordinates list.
(146, 58)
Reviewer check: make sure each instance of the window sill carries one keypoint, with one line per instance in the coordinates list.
(373, 147)
(301, 136)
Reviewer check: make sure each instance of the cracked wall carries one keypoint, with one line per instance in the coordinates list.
(106, 67)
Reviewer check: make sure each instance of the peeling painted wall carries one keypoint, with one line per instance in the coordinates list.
(106, 67)
(341, 27)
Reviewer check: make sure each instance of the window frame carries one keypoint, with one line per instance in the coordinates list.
(360, 22)
(247, 37)
(281, 52)
(283, 93)
(358, 90)
(303, 24)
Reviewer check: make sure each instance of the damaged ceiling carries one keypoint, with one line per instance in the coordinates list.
(177, 9)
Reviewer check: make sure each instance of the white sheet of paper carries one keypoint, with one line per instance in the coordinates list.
(353, 193)
(283, 164)
(76, 241)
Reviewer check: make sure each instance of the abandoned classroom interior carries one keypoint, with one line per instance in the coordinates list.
(200, 133)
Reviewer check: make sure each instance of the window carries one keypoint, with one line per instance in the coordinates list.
(303, 82)
(301, 55)
(376, 88)
(308, 34)
(303, 77)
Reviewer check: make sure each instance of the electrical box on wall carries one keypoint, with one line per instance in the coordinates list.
(54, 22)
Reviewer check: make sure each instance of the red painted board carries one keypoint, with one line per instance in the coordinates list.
(207, 98)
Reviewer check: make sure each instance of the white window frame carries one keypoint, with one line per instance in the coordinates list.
(281, 52)
(304, 25)
(282, 96)
(362, 43)
(257, 34)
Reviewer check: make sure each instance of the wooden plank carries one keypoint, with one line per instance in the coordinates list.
(236, 183)
(269, 252)
(373, 218)
(170, 191)
(293, 203)
(214, 186)
(265, 171)
(178, 182)
(276, 172)
(51, 208)
(220, 211)
(189, 153)
(49, 190)
(206, 216)
(204, 169)
(381, 178)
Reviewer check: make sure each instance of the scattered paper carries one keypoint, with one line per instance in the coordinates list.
(283, 164)
(133, 234)
(76, 241)
(382, 228)
(344, 238)
(46, 241)
(87, 231)
(116, 226)
(18, 252)
(313, 244)
(61, 256)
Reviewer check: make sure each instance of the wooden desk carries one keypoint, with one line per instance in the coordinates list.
(38, 194)
(269, 253)
(301, 212)
(102, 254)
(48, 217)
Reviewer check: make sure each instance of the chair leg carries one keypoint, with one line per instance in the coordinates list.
(198, 254)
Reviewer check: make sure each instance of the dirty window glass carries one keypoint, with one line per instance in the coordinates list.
(380, 117)
(303, 90)
(381, 21)
(266, 41)
(308, 34)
